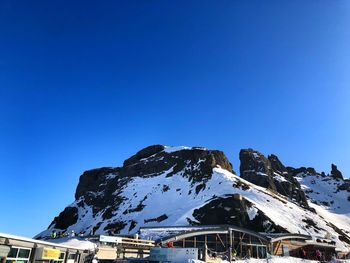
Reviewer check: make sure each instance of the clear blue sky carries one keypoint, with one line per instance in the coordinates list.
(85, 84)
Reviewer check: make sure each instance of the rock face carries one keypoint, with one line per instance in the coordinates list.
(234, 211)
(68, 217)
(336, 173)
(270, 173)
(176, 186)
(256, 168)
(100, 189)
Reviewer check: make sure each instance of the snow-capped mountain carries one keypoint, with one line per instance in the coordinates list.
(176, 186)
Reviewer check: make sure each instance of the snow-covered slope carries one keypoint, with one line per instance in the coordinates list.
(175, 186)
(329, 197)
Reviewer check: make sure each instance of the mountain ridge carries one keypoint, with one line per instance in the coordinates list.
(162, 185)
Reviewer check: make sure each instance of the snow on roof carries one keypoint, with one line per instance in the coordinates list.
(273, 237)
(157, 233)
(64, 243)
(79, 243)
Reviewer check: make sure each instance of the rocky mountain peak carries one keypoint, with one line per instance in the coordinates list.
(89, 179)
(276, 164)
(156, 159)
(144, 153)
(270, 173)
(256, 168)
(162, 186)
(101, 188)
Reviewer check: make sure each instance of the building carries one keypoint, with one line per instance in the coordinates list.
(212, 241)
(171, 244)
(118, 248)
(15, 249)
(234, 242)
(291, 244)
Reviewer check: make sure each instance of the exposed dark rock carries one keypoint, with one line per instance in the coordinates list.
(68, 217)
(100, 188)
(166, 188)
(256, 168)
(132, 225)
(240, 184)
(157, 219)
(103, 190)
(197, 162)
(114, 228)
(199, 188)
(144, 153)
(311, 224)
(138, 208)
(288, 186)
(276, 164)
(336, 173)
(108, 213)
(344, 187)
(232, 211)
(305, 170)
(342, 235)
(271, 173)
(90, 180)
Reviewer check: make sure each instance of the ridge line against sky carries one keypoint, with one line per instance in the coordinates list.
(85, 84)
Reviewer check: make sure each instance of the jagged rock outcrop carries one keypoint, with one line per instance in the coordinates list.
(154, 160)
(90, 180)
(256, 168)
(336, 173)
(304, 170)
(270, 173)
(143, 154)
(286, 183)
(100, 189)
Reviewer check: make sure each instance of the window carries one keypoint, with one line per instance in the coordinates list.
(18, 255)
(24, 253)
(60, 259)
(189, 242)
(254, 251)
(262, 252)
(200, 238)
(200, 241)
(13, 252)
